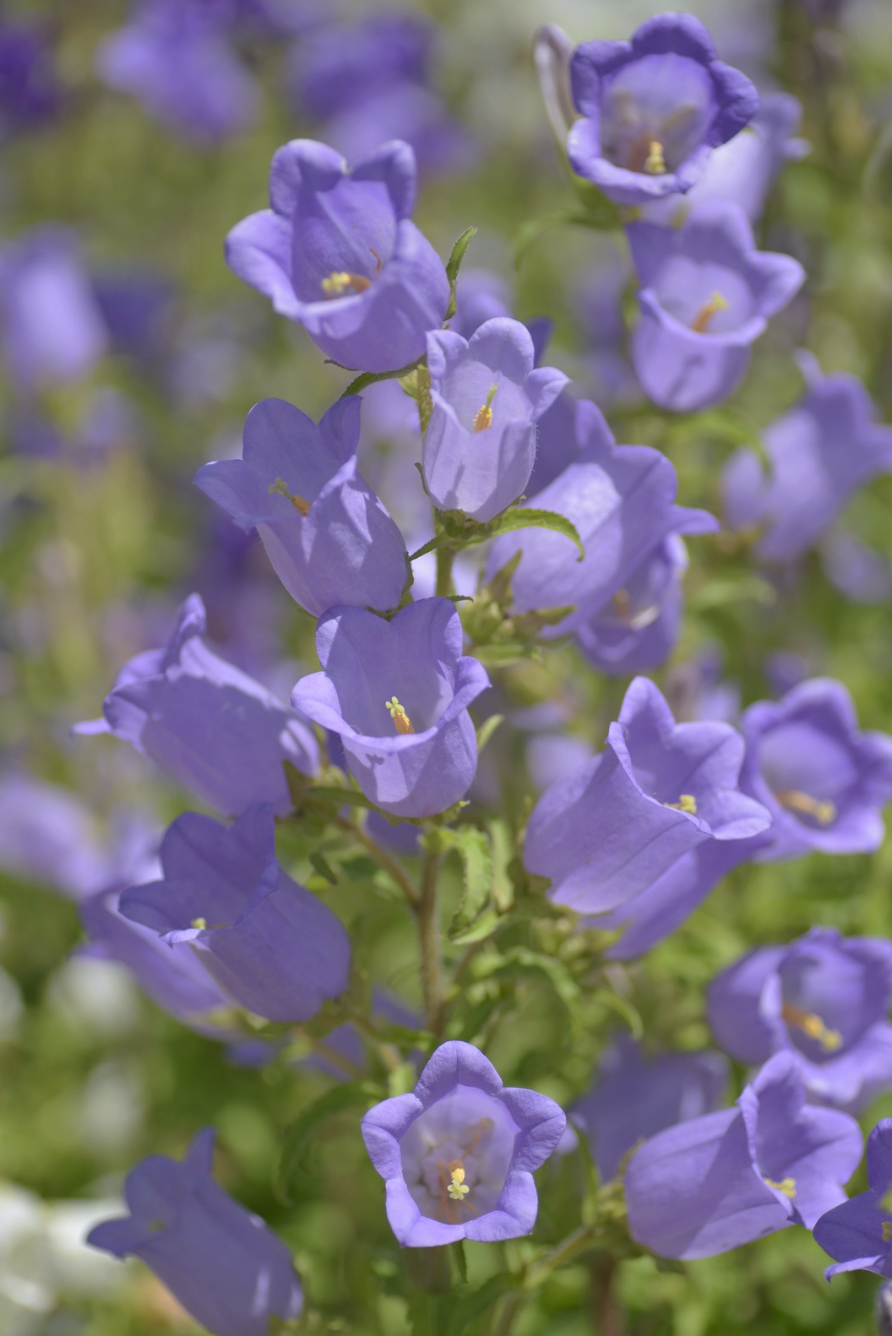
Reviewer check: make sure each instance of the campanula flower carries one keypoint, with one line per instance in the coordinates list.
(634, 1097)
(271, 945)
(487, 397)
(637, 629)
(621, 500)
(858, 1232)
(397, 694)
(609, 830)
(820, 452)
(30, 93)
(338, 253)
(653, 109)
(457, 1154)
(227, 1269)
(824, 999)
(210, 726)
(722, 1180)
(327, 535)
(706, 294)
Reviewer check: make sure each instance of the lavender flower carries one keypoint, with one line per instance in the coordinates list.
(338, 253)
(858, 1232)
(30, 93)
(221, 1262)
(457, 1154)
(397, 694)
(706, 295)
(637, 630)
(653, 109)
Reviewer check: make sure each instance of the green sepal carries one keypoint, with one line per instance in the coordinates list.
(454, 264)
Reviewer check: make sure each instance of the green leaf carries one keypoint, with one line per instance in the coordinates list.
(486, 730)
(524, 961)
(333, 794)
(454, 264)
(323, 867)
(472, 847)
(523, 518)
(482, 927)
(502, 852)
(298, 1149)
(505, 655)
(373, 377)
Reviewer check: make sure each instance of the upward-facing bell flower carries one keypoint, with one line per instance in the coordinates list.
(824, 999)
(227, 1269)
(209, 725)
(457, 1154)
(653, 109)
(328, 536)
(858, 1232)
(716, 1182)
(338, 253)
(397, 694)
(480, 443)
(706, 295)
(608, 831)
(271, 945)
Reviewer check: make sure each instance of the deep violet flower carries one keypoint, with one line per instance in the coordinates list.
(858, 1232)
(706, 295)
(653, 109)
(30, 92)
(327, 535)
(637, 630)
(338, 253)
(227, 1269)
(209, 725)
(608, 831)
(269, 943)
(722, 1180)
(480, 443)
(824, 999)
(397, 693)
(457, 1154)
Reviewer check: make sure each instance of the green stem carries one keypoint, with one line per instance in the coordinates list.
(566, 1251)
(381, 857)
(428, 910)
(509, 1312)
(445, 558)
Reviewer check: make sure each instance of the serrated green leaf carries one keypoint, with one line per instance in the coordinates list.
(472, 847)
(483, 926)
(522, 960)
(523, 517)
(298, 1146)
(501, 846)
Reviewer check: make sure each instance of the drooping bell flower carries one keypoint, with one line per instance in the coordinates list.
(824, 999)
(327, 535)
(609, 830)
(637, 629)
(858, 1232)
(223, 1264)
(621, 498)
(269, 943)
(722, 1180)
(652, 109)
(480, 443)
(458, 1153)
(338, 253)
(214, 729)
(706, 295)
(397, 694)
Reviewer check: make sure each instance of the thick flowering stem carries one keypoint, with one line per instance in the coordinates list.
(445, 558)
(428, 910)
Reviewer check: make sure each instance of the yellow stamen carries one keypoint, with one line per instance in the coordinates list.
(787, 1186)
(655, 162)
(343, 284)
(200, 923)
(887, 1231)
(483, 420)
(814, 1027)
(623, 604)
(301, 505)
(686, 803)
(704, 316)
(457, 1189)
(401, 721)
(795, 801)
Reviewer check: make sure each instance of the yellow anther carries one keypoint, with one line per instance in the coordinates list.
(343, 284)
(704, 316)
(200, 923)
(814, 1027)
(623, 604)
(457, 1189)
(787, 1186)
(795, 801)
(401, 721)
(655, 162)
(301, 505)
(887, 1231)
(686, 803)
(483, 419)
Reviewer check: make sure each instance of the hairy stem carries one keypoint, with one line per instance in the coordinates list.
(428, 910)
(381, 857)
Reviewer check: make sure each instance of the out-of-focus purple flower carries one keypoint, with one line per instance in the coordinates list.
(635, 1097)
(136, 307)
(699, 688)
(270, 945)
(858, 571)
(51, 329)
(397, 694)
(653, 109)
(557, 443)
(621, 500)
(30, 93)
(821, 451)
(858, 1232)
(824, 999)
(457, 1154)
(611, 829)
(637, 630)
(480, 443)
(328, 537)
(338, 253)
(175, 60)
(480, 295)
(49, 836)
(722, 1180)
(210, 726)
(706, 295)
(227, 1269)
(824, 782)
